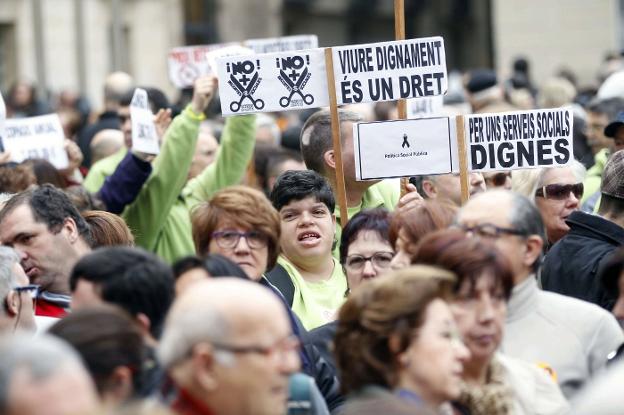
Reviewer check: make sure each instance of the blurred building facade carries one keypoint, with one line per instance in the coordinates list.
(73, 44)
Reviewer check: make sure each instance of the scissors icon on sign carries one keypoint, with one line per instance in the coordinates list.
(295, 88)
(245, 93)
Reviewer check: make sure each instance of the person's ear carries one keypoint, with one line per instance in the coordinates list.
(329, 159)
(429, 189)
(205, 366)
(119, 385)
(534, 246)
(71, 230)
(11, 303)
(144, 324)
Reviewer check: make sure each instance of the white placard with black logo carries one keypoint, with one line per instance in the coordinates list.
(282, 44)
(144, 135)
(39, 137)
(272, 82)
(519, 139)
(389, 71)
(186, 64)
(403, 148)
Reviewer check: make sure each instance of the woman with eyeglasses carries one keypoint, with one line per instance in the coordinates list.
(240, 223)
(365, 253)
(396, 337)
(556, 191)
(493, 384)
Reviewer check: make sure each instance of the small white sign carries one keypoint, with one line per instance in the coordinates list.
(144, 135)
(389, 71)
(188, 63)
(272, 82)
(403, 148)
(424, 107)
(283, 44)
(36, 137)
(519, 139)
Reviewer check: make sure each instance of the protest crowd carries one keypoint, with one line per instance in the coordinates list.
(217, 273)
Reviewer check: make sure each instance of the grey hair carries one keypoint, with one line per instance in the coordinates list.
(526, 182)
(316, 137)
(186, 328)
(269, 122)
(42, 357)
(8, 257)
(5, 197)
(526, 218)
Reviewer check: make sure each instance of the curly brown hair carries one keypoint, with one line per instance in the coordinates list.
(378, 322)
(237, 206)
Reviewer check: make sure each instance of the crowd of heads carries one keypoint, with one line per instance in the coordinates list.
(412, 298)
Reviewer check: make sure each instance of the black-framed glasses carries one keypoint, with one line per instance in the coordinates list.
(228, 239)
(380, 260)
(489, 230)
(279, 349)
(560, 191)
(31, 289)
(498, 179)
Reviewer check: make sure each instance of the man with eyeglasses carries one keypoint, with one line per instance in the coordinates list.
(17, 311)
(228, 347)
(569, 337)
(573, 264)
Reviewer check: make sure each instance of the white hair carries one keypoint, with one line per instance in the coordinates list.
(526, 182)
(8, 258)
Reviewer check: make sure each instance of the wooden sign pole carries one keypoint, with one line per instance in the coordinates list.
(335, 127)
(463, 158)
(399, 34)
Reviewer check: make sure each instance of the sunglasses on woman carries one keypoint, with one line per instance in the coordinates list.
(560, 191)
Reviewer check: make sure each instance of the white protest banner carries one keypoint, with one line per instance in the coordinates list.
(402, 148)
(282, 44)
(519, 139)
(39, 137)
(144, 136)
(424, 107)
(390, 71)
(272, 82)
(188, 63)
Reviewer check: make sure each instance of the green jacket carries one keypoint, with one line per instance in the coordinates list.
(160, 215)
(384, 194)
(102, 169)
(593, 178)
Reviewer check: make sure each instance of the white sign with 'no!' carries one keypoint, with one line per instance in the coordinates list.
(272, 82)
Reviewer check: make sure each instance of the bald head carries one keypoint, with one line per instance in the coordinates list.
(216, 310)
(116, 85)
(513, 222)
(105, 143)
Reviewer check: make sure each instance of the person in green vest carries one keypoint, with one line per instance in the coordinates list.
(318, 155)
(305, 203)
(160, 215)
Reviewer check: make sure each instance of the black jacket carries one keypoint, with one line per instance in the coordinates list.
(323, 337)
(573, 264)
(312, 362)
